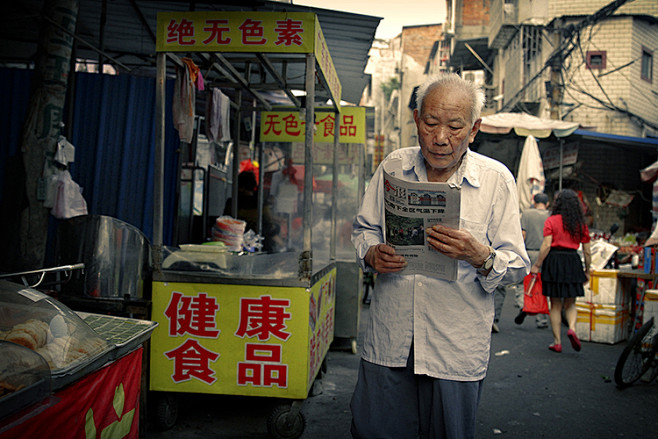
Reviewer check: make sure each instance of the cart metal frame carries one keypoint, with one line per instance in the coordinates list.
(233, 65)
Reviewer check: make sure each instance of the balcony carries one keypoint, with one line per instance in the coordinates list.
(503, 22)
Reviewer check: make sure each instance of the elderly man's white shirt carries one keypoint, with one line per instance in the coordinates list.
(448, 322)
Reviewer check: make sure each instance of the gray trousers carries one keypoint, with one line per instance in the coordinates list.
(394, 403)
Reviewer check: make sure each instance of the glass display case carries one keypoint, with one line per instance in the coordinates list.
(31, 319)
(24, 378)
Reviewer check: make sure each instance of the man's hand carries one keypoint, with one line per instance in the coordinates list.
(457, 244)
(383, 259)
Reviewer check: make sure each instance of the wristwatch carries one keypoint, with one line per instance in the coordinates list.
(488, 262)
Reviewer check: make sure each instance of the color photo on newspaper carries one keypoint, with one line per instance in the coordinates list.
(411, 208)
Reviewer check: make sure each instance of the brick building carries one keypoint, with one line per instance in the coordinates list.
(400, 65)
(593, 66)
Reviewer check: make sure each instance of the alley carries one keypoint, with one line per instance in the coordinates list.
(530, 392)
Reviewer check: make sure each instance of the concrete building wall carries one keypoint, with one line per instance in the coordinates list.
(383, 64)
(613, 99)
(558, 8)
(643, 99)
(608, 99)
(416, 46)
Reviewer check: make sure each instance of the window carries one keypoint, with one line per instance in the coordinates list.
(596, 59)
(647, 65)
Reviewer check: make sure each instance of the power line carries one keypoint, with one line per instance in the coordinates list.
(567, 46)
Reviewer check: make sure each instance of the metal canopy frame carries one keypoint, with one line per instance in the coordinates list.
(256, 74)
(122, 34)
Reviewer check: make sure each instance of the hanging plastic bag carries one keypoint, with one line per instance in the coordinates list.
(534, 302)
(69, 201)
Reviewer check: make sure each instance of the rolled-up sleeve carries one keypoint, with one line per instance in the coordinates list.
(504, 233)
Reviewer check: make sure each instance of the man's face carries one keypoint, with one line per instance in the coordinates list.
(444, 129)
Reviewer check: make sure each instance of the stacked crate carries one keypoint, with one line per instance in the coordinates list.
(651, 309)
(603, 313)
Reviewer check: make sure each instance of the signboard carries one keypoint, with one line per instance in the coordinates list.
(551, 156)
(240, 339)
(289, 126)
(262, 32)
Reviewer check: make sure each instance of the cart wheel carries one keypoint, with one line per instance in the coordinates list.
(324, 366)
(354, 348)
(283, 423)
(165, 410)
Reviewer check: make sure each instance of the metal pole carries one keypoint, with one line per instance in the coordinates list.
(334, 188)
(307, 220)
(561, 159)
(158, 170)
(261, 186)
(236, 156)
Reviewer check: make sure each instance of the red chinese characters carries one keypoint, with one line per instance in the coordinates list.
(181, 33)
(192, 315)
(252, 32)
(347, 128)
(292, 125)
(262, 366)
(277, 125)
(224, 31)
(328, 123)
(288, 32)
(191, 360)
(216, 30)
(263, 318)
(272, 122)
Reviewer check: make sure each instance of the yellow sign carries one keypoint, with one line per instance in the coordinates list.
(323, 58)
(292, 32)
(240, 339)
(288, 126)
(264, 32)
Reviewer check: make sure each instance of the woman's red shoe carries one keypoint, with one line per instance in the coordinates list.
(573, 338)
(555, 348)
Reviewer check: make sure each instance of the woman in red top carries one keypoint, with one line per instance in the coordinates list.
(562, 273)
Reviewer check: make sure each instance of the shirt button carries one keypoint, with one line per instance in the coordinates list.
(420, 284)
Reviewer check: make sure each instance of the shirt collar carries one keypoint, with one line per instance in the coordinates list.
(466, 171)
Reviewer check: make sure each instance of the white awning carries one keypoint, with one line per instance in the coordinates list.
(524, 124)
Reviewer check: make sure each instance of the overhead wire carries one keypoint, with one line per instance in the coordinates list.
(571, 83)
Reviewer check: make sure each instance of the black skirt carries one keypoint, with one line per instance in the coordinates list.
(562, 274)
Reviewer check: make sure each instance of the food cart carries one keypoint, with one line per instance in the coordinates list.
(238, 323)
(72, 374)
(349, 165)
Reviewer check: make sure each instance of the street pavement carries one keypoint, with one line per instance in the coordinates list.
(529, 392)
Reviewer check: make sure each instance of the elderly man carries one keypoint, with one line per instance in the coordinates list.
(426, 347)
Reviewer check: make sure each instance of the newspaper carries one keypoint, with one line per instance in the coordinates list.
(411, 207)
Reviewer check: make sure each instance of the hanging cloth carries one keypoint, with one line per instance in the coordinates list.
(195, 73)
(530, 179)
(225, 117)
(213, 115)
(183, 103)
(188, 79)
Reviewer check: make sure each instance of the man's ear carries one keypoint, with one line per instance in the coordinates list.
(474, 130)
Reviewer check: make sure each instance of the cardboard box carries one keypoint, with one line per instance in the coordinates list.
(604, 288)
(651, 308)
(602, 323)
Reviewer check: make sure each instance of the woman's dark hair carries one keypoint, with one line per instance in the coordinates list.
(571, 208)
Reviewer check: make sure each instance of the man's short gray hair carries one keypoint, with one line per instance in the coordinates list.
(453, 80)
